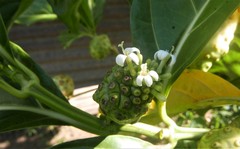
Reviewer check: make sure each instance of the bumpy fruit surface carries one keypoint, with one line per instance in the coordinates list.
(224, 138)
(100, 47)
(120, 100)
(65, 84)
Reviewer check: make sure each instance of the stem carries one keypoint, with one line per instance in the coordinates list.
(177, 132)
(189, 133)
(17, 93)
(162, 64)
(27, 72)
(158, 95)
(86, 121)
(6, 56)
(130, 67)
(163, 114)
(141, 128)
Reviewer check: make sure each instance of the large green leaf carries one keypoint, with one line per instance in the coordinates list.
(16, 113)
(40, 10)
(15, 51)
(11, 9)
(187, 25)
(81, 17)
(3, 36)
(112, 141)
(20, 113)
(158, 24)
(45, 80)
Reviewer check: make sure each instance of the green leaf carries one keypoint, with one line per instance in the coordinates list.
(3, 35)
(200, 31)
(97, 8)
(45, 80)
(112, 141)
(16, 51)
(195, 89)
(67, 11)
(88, 143)
(11, 9)
(121, 141)
(187, 25)
(16, 119)
(13, 113)
(158, 24)
(16, 113)
(40, 10)
(81, 17)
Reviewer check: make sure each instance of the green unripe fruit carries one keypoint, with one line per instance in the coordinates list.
(127, 79)
(224, 138)
(119, 99)
(125, 90)
(136, 100)
(65, 84)
(136, 91)
(145, 97)
(146, 90)
(100, 47)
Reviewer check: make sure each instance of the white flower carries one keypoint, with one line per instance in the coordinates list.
(146, 76)
(128, 53)
(161, 55)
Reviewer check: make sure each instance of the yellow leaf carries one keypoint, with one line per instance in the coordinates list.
(196, 86)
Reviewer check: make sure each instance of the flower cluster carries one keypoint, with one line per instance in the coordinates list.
(133, 55)
(144, 75)
(127, 90)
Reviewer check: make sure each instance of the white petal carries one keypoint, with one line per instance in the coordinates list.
(173, 60)
(132, 49)
(153, 74)
(134, 58)
(120, 59)
(148, 80)
(139, 80)
(161, 54)
(155, 55)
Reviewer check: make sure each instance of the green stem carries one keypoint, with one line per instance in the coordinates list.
(163, 114)
(33, 77)
(17, 93)
(87, 121)
(188, 133)
(163, 63)
(143, 129)
(130, 67)
(5, 55)
(176, 132)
